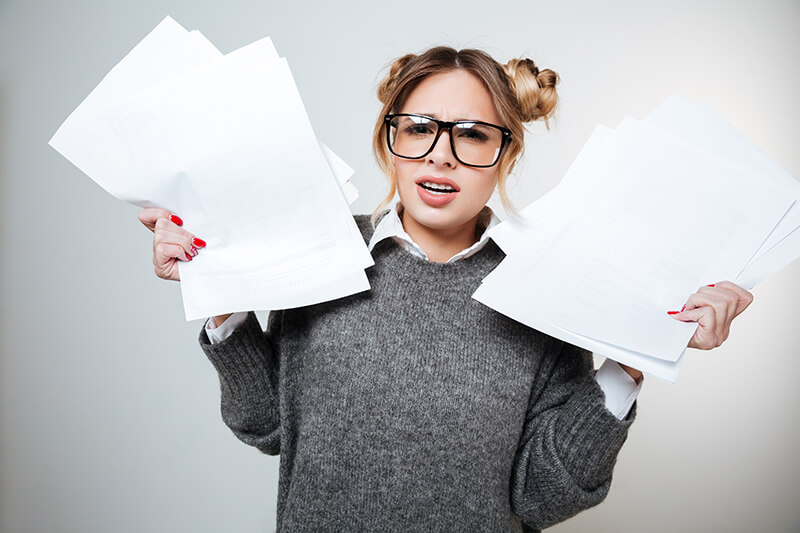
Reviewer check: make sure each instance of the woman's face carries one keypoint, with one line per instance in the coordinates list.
(451, 96)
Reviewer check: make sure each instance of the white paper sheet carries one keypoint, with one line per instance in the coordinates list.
(343, 172)
(504, 280)
(642, 218)
(86, 138)
(225, 142)
(700, 125)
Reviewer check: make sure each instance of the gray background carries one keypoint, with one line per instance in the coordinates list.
(110, 416)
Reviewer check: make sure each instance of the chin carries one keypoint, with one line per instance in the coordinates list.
(438, 217)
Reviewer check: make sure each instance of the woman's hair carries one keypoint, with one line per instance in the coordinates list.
(520, 91)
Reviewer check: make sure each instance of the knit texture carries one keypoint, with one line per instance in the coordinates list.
(413, 407)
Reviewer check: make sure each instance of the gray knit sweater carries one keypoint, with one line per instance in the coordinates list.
(413, 407)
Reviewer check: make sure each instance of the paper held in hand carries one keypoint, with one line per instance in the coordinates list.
(645, 215)
(225, 142)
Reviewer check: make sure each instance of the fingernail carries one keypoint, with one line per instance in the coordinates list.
(711, 285)
(194, 251)
(682, 308)
(200, 243)
(188, 257)
(176, 219)
(673, 312)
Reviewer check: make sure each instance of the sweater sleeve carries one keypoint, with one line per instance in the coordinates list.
(247, 363)
(569, 442)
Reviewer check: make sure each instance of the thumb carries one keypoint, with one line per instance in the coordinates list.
(687, 315)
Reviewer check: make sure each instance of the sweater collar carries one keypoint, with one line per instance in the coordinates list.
(390, 226)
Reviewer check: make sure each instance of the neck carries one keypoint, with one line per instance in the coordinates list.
(441, 244)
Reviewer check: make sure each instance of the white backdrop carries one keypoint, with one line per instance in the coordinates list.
(109, 412)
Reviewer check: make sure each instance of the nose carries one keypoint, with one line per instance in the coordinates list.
(442, 154)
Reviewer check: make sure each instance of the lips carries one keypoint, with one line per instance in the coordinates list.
(438, 184)
(436, 191)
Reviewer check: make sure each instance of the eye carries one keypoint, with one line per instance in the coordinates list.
(413, 126)
(418, 129)
(472, 132)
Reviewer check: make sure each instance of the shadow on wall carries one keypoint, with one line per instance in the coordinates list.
(4, 175)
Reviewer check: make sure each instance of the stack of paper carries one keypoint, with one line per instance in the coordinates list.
(224, 141)
(646, 215)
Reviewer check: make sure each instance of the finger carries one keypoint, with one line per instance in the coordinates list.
(744, 297)
(732, 310)
(706, 336)
(713, 311)
(720, 298)
(722, 301)
(724, 317)
(168, 232)
(166, 258)
(169, 268)
(150, 215)
(708, 296)
(165, 252)
(689, 315)
(170, 225)
(721, 292)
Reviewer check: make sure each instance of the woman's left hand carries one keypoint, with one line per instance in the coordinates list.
(713, 307)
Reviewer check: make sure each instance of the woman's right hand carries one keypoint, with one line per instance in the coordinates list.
(171, 243)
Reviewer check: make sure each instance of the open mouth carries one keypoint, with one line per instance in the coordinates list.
(437, 188)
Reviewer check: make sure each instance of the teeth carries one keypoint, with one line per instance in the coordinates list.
(438, 187)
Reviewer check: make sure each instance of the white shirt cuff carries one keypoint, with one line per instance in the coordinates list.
(619, 387)
(217, 335)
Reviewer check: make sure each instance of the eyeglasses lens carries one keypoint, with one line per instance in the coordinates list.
(475, 144)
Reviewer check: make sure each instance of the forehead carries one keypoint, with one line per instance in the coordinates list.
(452, 95)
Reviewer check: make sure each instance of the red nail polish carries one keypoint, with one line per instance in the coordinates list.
(682, 308)
(711, 285)
(194, 251)
(200, 243)
(673, 312)
(176, 219)
(188, 257)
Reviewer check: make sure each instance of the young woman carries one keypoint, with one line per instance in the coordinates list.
(413, 407)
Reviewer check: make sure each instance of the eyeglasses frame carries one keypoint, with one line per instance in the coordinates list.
(445, 125)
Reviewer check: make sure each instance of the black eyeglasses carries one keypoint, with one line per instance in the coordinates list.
(474, 143)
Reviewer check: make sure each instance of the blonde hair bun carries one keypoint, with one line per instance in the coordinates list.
(388, 84)
(535, 89)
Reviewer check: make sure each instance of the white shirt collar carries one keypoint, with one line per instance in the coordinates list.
(391, 226)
